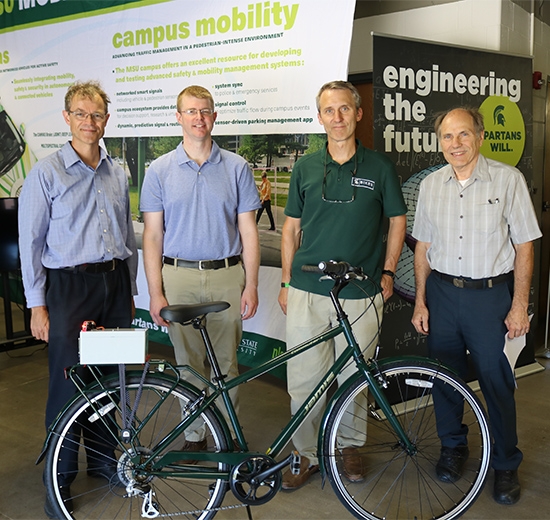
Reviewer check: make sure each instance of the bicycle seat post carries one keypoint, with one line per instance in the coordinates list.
(200, 325)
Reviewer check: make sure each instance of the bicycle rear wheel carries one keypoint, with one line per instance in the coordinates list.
(103, 496)
(394, 484)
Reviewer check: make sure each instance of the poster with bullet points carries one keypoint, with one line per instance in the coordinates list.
(263, 62)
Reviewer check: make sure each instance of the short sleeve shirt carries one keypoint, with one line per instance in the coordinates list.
(200, 204)
(472, 229)
(348, 224)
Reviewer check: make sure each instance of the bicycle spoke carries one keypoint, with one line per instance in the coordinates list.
(396, 483)
(132, 485)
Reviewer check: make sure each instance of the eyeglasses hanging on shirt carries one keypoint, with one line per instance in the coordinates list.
(343, 200)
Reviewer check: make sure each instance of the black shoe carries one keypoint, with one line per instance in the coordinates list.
(65, 495)
(450, 464)
(507, 488)
(108, 472)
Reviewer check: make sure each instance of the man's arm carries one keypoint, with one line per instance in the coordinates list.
(153, 238)
(517, 320)
(422, 270)
(290, 242)
(394, 245)
(251, 259)
(33, 229)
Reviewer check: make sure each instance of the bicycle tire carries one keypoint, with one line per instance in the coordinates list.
(393, 484)
(97, 498)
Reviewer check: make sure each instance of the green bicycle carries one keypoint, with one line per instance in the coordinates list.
(144, 415)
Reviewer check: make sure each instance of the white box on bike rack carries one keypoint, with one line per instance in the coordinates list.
(113, 346)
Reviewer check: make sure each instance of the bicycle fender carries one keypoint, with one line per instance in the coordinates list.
(353, 378)
(107, 382)
(52, 426)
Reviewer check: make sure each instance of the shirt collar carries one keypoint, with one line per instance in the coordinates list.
(214, 158)
(359, 151)
(481, 171)
(70, 157)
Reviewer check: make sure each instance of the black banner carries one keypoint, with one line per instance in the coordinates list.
(412, 82)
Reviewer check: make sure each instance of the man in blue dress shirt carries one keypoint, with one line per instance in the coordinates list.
(78, 254)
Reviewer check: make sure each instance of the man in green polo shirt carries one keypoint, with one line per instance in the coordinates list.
(337, 200)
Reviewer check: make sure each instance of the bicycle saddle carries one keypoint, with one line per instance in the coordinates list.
(182, 313)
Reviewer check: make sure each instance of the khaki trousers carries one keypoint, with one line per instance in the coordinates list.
(310, 314)
(183, 285)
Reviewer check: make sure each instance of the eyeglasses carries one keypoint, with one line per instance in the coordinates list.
(323, 190)
(97, 117)
(206, 112)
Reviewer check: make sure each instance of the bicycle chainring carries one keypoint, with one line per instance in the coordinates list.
(245, 485)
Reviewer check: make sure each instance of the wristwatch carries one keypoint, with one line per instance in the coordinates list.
(285, 284)
(391, 274)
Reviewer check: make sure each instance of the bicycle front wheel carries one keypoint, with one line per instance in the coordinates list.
(393, 482)
(91, 474)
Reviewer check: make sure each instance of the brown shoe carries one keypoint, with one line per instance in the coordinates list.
(292, 482)
(193, 446)
(353, 464)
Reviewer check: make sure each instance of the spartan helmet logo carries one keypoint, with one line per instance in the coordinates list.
(498, 115)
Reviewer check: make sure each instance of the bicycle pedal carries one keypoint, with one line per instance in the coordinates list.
(295, 463)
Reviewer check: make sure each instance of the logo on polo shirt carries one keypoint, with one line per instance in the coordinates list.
(504, 138)
(358, 182)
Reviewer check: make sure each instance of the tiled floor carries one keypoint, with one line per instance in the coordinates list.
(23, 382)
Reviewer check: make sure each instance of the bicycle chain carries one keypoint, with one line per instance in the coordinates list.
(216, 509)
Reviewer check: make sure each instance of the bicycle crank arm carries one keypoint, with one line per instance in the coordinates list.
(277, 467)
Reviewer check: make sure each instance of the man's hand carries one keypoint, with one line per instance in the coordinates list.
(249, 302)
(387, 286)
(40, 323)
(420, 319)
(155, 306)
(517, 322)
(283, 298)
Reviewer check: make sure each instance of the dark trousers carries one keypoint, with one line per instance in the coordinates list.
(266, 204)
(473, 320)
(73, 298)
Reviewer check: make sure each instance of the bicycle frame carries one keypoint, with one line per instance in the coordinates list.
(383, 414)
(222, 387)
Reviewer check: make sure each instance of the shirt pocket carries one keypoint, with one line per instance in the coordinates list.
(487, 218)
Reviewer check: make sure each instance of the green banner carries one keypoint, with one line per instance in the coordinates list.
(256, 349)
(157, 334)
(253, 350)
(28, 13)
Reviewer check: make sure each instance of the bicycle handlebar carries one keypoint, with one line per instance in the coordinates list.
(335, 269)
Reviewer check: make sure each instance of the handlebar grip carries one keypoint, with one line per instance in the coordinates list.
(335, 268)
(312, 269)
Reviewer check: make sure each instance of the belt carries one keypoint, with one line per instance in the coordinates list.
(203, 265)
(474, 283)
(101, 267)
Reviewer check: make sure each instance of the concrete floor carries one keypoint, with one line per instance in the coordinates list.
(23, 387)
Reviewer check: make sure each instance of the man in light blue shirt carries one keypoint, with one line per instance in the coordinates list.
(200, 240)
(78, 258)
